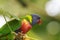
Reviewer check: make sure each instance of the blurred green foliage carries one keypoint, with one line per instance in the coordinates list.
(38, 32)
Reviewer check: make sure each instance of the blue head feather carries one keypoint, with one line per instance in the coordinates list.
(35, 17)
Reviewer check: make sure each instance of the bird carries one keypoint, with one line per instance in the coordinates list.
(28, 23)
(23, 25)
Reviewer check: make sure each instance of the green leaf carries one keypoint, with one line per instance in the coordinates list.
(14, 25)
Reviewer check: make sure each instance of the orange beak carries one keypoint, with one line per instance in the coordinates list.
(39, 21)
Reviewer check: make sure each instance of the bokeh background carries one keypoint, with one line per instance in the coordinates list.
(49, 10)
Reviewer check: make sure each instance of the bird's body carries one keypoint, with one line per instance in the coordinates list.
(28, 23)
(23, 25)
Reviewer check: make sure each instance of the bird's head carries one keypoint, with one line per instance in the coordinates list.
(34, 19)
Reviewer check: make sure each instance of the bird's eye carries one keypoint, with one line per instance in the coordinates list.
(38, 18)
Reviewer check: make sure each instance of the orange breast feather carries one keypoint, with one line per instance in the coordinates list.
(26, 26)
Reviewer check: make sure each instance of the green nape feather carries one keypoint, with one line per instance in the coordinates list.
(29, 18)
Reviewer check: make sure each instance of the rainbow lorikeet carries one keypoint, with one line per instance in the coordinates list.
(28, 23)
(23, 25)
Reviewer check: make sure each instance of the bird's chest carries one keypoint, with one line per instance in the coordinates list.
(25, 26)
